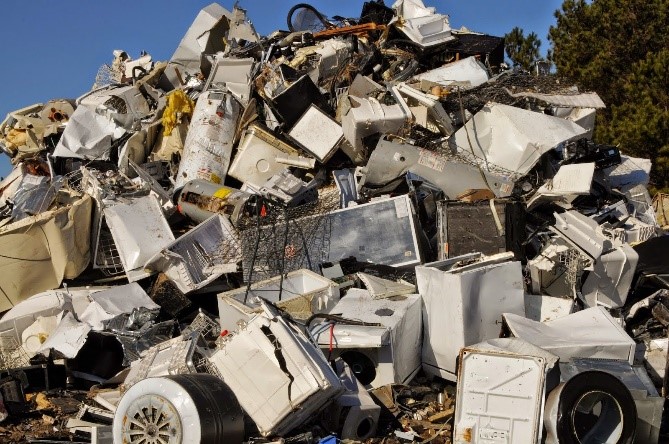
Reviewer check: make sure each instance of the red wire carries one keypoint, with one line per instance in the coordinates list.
(331, 336)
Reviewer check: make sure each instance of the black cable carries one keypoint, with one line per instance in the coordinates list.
(258, 205)
(340, 319)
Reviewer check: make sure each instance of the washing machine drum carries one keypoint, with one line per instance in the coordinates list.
(591, 408)
(179, 409)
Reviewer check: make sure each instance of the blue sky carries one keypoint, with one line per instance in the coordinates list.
(53, 49)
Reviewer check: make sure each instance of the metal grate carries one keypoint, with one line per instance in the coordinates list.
(204, 325)
(105, 76)
(12, 355)
(573, 262)
(282, 239)
(107, 257)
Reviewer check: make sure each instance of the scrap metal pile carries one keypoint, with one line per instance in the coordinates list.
(313, 236)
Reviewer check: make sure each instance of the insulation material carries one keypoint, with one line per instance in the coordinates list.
(179, 106)
(40, 251)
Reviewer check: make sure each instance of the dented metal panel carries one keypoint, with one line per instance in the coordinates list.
(512, 138)
(590, 333)
(463, 307)
(501, 393)
(269, 389)
(140, 230)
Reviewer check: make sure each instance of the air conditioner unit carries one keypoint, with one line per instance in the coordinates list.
(384, 351)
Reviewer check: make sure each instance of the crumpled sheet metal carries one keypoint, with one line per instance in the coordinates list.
(68, 337)
(205, 35)
(88, 135)
(512, 138)
(591, 333)
(40, 251)
(469, 71)
(390, 160)
(201, 255)
(404, 143)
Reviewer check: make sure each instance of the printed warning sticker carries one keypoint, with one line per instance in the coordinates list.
(431, 160)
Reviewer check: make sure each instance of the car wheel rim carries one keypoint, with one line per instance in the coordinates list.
(151, 419)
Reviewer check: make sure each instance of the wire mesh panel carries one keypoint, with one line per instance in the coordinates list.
(573, 262)
(12, 355)
(280, 239)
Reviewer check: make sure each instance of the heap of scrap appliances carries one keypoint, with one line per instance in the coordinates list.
(368, 230)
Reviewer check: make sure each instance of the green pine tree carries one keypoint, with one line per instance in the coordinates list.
(523, 51)
(619, 50)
